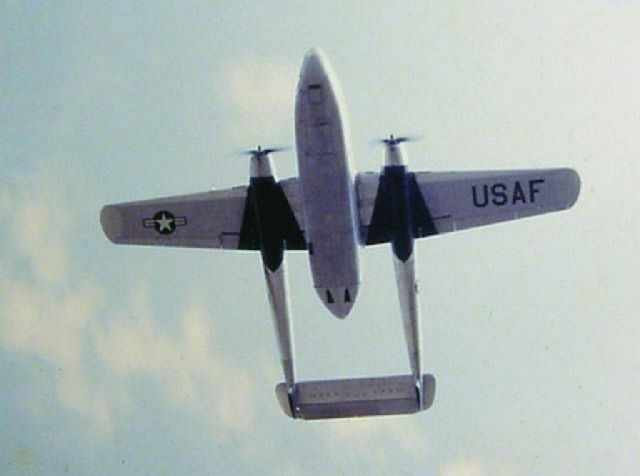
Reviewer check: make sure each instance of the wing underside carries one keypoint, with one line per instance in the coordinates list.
(222, 219)
(443, 202)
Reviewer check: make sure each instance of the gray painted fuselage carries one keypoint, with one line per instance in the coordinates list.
(327, 183)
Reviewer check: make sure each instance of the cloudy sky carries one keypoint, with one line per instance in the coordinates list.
(128, 360)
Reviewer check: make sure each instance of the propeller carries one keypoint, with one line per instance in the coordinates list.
(260, 163)
(259, 151)
(393, 140)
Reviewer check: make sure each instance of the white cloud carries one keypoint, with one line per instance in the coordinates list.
(462, 468)
(381, 442)
(44, 313)
(56, 313)
(48, 323)
(259, 92)
(40, 227)
(290, 468)
(191, 372)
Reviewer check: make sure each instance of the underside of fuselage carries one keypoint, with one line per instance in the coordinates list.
(327, 185)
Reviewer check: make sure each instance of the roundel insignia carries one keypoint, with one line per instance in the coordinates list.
(164, 222)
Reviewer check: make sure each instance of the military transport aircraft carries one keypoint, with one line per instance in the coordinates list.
(329, 212)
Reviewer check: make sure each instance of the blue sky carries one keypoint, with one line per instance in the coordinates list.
(128, 360)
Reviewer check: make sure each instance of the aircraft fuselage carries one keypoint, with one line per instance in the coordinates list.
(327, 183)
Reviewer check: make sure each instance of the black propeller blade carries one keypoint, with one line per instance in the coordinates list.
(393, 140)
(260, 151)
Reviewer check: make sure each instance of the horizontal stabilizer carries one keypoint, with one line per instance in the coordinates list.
(348, 398)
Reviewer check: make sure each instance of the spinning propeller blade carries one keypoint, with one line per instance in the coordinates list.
(393, 140)
(260, 151)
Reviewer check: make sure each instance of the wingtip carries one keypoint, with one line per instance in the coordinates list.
(573, 187)
(111, 221)
(282, 394)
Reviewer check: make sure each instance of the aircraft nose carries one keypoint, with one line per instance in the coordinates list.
(339, 300)
(314, 64)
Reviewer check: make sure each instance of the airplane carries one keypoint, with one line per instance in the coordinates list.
(330, 212)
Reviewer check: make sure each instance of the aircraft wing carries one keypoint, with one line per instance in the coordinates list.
(443, 202)
(215, 219)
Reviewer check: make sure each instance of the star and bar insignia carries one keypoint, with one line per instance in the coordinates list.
(164, 222)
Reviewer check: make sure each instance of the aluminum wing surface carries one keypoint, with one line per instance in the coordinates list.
(442, 202)
(224, 219)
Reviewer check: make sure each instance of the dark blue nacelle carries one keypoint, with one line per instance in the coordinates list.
(395, 181)
(268, 223)
(400, 214)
